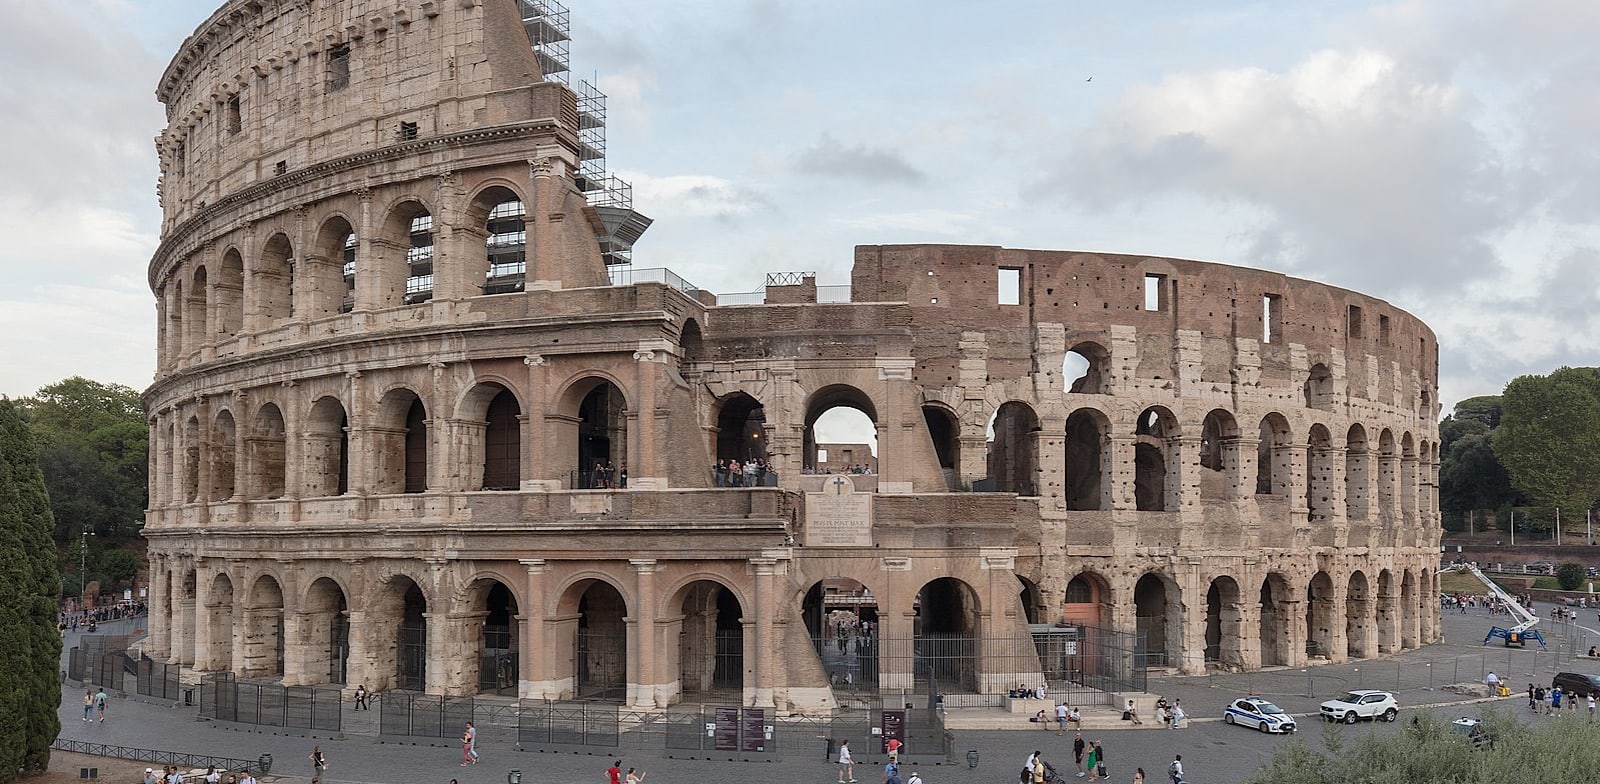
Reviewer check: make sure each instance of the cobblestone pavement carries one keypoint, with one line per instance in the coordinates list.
(1213, 751)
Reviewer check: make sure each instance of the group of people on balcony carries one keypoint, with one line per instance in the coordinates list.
(750, 473)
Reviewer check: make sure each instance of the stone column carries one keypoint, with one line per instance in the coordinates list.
(1248, 613)
(204, 653)
(358, 418)
(1338, 612)
(764, 653)
(158, 643)
(533, 640)
(643, 686)
(302, 649)
(898, 626)
(649, 471)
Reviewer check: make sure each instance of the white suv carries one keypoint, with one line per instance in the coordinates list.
(1361, 704)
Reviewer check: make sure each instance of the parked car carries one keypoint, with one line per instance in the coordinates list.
(1258, 713)
(1576, 682)
(1358, 704)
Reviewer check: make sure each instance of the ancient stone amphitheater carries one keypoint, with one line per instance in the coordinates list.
(395, 344)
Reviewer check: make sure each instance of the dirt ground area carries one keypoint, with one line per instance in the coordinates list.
(66, 767)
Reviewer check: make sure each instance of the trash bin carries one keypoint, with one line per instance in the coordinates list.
(264, 763)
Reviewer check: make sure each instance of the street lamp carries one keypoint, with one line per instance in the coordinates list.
(83, 563)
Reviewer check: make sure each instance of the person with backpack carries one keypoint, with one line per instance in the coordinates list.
(1175, 770)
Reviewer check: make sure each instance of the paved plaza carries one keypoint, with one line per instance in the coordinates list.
(1212, 751)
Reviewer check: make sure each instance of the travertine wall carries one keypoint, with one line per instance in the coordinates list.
(354, 483)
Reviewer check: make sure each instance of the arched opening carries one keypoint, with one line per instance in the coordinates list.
(411, 637)
(1356, 479)
(1425, 405)
(325, 631)
(1158, 616)
(265, 453)
(1223, 634)
(1013, 460)
(741, 435)
(498, 667)
(1358, 617)
(1088, 601)
(229, 288)
(601, 644)
(945, 433)
(506, 242)
(1410, 613)
(602, 438)
(263, 630)
(1032, 601)
(334, 265)
(327, 449)
(1085, 369)
(191, 460)
(405, 245)
(946, 634)
(1319, 475)
(1388, 473)
(1277, 607)
(416, 436)
(1155, 445)
(219, 623)
(502, 442)
(1388, 617)
(1219, 456)
(1086, 605)
(401, 444)
(195, 318)
(1274, 457)
(842, 617)
(692, 343)
(1088, 437)
(222, 446)
(1319, 388)
(1319, 616)
(711, 644)
(274, 282)
(841, 434)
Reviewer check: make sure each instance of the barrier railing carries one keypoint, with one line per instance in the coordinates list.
(176, 758)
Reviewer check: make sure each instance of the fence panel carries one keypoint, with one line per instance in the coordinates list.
(422, 716)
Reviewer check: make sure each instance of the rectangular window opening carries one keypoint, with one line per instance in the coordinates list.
(235, 120)
(1383, 330)
(1155, 294)
(1010, 285)
(1271, 318)
(1353, 322)
(339, 67)
(281, 167)
(408, 131)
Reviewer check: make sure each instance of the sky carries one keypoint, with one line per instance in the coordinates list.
(1443, 155)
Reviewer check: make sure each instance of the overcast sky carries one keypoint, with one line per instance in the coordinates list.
(1440, 155)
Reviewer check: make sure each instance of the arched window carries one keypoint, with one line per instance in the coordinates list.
(502, 443)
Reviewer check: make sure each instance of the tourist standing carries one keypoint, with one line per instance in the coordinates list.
(319, 762)
(361, 697)
(1078, 747)
(1061, 719)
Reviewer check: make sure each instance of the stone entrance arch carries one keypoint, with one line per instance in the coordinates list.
(710, 664)
(602, 447)
(325, 634)
(850, 411)
(263, 630)
(1224, 633)
(946, 635)
(1086, 473)
(741, 429)
(1276, 612)
(218, 653)
(1158, 613)
(400, 635)
(1013, 459)
(1358, 617)
(1320, 616)
(841, 616)
(498, 664)
(594, 613)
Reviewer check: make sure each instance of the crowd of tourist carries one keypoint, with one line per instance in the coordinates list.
(72, 620)
(750, 473)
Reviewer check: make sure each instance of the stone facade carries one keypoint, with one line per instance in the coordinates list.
(379, 453)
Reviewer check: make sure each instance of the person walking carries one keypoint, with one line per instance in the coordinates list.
(1092, 761)
(319, 762)
(1100, 760)
(469, 745)
(916, 778)
(1138, 776)
(614, 773)
(1175, 770)
(100, 703)
(893, 748)
(634, 777)
(847, 763)
(1177, 715)
(88, 703)
(1078, 748)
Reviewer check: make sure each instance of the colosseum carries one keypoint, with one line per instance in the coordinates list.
(418, 424)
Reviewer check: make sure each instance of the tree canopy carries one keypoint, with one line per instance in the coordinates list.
(1549, 438)
(93, 448)
(1471, 476)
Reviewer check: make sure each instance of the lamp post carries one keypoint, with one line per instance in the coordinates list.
(83, 562)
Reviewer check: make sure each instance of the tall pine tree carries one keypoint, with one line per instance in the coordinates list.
(30, 645)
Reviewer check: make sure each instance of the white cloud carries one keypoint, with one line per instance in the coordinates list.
(690, 196)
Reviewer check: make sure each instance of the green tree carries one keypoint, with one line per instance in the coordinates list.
(93, 448)
(30, 646)
(1549, 438)
(1471, 477)
(1570, 576)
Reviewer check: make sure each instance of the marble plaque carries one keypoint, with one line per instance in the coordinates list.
(838, 516)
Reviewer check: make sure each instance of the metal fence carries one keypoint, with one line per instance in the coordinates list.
(270, 704)
(158, 679)
(424, 716)
(102, 659)
(563, 725)
(175, 758)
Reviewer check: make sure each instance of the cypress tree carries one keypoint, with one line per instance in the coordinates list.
(30, 645)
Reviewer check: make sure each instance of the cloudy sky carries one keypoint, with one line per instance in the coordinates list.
(1442, 155)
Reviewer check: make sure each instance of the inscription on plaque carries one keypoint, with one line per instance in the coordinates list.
(838, 516)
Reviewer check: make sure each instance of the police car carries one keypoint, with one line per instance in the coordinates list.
(1259, 713)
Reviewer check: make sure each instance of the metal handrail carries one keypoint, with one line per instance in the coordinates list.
(177, 758)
